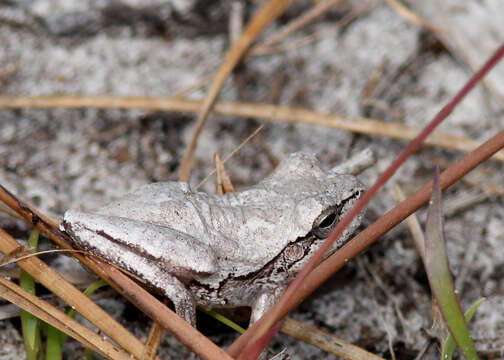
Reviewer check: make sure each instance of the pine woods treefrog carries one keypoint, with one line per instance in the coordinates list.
(237, 249)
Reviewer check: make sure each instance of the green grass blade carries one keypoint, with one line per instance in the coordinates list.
(53, 344)
(438, 272)
(30, 324)
(61, 336)
(88, 355)
(90, 290)
(449, 343)
(222, 319)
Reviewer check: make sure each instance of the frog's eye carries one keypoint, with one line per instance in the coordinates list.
(325, 223)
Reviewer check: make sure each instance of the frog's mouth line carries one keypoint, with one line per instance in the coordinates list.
(275, 272)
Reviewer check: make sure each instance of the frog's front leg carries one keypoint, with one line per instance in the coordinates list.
(181, 298)
(264, 302)
(260, 306)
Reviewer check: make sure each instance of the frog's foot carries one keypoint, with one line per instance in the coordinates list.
(282, 355)
(356, 164)
(181, 297)
(264, 302)
(260, 306)
(186, 310)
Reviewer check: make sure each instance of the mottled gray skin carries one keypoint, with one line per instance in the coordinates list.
(238, 249)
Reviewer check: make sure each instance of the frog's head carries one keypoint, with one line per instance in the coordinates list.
(319, 198)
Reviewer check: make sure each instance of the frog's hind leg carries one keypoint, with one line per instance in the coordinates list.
(260, 306)
(117, 240)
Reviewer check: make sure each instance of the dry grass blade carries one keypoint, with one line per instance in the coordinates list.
(5, 209)
(153, 342)
(411, 16)
(318, 9)
(187, 90)
(296, 44)
(325, 341)
(59, 320)
(246, 110)
(264, 47)
(357, 163)
(326, 32)
(413, 224)
(12, 256)
(464, 201)
(235, 25)
(26, 253)
(468, 40)
(184, 332)
(264, 16)
(223, 184)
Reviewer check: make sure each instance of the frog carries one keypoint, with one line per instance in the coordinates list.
(240, 249)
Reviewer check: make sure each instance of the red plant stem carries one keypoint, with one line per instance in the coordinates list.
(274, 314)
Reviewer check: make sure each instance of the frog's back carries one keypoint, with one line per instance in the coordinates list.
(241, 227)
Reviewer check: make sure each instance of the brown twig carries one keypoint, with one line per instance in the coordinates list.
(153, 340)
(318, 9)
(264, 16)
(10, 259)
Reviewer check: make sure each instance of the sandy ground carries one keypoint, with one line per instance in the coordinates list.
(58, 159)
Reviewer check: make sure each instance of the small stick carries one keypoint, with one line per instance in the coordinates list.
(224, 184)
(256, 131)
